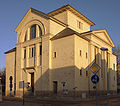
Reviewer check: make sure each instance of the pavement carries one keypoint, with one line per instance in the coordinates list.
(55, 101)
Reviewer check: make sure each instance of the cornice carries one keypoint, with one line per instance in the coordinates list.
(74, 11)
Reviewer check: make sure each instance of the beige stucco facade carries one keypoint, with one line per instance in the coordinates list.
(68, 50)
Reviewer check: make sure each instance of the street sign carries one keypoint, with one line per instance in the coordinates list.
(94, 87)
(21, 84)
(95, 68)
(63, 83)
(95, 79)
(26, 84)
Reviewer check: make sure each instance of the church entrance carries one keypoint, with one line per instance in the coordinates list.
(32, 81)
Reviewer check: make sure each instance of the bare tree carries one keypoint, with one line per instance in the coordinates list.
(2, 75)
(116, 51)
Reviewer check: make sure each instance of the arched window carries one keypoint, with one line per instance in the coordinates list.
(33, 32)
(25, 36)
(40, 31)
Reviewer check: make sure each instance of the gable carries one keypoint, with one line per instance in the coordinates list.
(28, 14)
(103, 35)
(38, 13)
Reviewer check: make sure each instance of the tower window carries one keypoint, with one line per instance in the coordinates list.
(79, 25)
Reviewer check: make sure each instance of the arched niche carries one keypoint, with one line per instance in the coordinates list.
(26, 29)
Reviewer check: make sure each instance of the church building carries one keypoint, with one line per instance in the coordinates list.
(54, 53)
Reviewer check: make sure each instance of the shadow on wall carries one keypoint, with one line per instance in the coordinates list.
(76, 82)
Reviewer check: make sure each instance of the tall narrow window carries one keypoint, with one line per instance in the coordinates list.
(40, 49)
(24, 53)
(40, 31)
(33, 32)
(25, 36)
(80, 53)
(40, 54)
(31, 51)
(79, 25)
(80, 72)
(54, 54)
(86, 55)
(114, 67)
(86, 73)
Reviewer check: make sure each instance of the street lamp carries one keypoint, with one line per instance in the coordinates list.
(106, 49)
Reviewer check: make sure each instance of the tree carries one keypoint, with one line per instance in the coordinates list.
(116, 51)
(2, 75)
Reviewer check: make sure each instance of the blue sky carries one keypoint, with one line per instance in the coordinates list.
(104, 13)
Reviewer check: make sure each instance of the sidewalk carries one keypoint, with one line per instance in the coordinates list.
(64, 100)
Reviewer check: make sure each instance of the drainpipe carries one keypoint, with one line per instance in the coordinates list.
(88, 69)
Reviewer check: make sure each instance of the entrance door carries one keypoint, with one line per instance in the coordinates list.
(32, 81)
(55, 87)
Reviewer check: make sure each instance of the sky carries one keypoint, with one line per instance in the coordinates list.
(104, 13)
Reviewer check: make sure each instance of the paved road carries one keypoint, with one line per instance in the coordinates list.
(16, 103)
(113, 102)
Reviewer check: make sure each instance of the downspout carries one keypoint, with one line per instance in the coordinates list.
(89, 69)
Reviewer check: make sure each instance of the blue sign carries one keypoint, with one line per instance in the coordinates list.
(26, 84)
(95, 79)
(63, 83)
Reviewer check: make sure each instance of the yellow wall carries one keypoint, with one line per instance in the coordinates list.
(63, 64)
(72, 22)
(63, 17)
(71, 19)
(10, 68)
(81, 62)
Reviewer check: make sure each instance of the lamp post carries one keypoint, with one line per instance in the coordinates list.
(106, 49)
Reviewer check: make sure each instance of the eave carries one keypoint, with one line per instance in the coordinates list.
(74, 11)
(9, 51)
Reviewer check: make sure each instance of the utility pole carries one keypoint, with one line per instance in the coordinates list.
(106, 49)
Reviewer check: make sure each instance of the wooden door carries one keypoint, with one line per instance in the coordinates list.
(55, 87)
